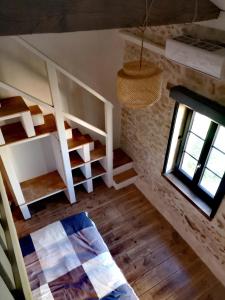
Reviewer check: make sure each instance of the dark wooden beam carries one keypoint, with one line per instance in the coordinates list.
(39, 16)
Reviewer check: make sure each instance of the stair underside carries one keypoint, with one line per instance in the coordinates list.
(124, 176)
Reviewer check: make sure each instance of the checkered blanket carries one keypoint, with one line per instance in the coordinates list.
(68, 259)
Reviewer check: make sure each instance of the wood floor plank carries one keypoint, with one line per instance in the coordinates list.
(153, 257)
(213, 293)
(167, 288)
(163, 271)
(200, 282)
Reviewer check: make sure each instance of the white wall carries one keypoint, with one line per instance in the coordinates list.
(33, 159)
(93, 56)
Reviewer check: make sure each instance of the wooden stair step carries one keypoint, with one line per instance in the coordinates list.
(15, 132)
(49, 125)
(98, 152)
(12, 105)
(42, 186)
(128, 174)
(76, 132)
(120, 158)
(75, 159)
(97, 169)
(78, 139)
(78, 176)
(35, 110)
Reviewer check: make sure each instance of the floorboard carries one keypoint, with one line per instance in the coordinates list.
(154, 258)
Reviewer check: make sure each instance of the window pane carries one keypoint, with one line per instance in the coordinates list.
(189, 165)
(220, 139)
(210, 182)
(216, 162)
(200, 125)
(194, 145)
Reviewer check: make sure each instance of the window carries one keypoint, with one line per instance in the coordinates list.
(195, 160)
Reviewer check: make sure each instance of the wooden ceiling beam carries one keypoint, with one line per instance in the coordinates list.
(32, 16)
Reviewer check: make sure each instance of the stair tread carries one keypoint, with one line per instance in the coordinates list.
(120, 158)
(124, 176)
(15, 132)
(42, 186)
(35, 110)
(97, 169)
(78, 139)
(49, 125)
(12, 105)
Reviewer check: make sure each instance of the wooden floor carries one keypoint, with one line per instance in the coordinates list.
(154, 258)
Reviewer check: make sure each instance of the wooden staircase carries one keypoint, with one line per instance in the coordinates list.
(123, 171)
(87, 158)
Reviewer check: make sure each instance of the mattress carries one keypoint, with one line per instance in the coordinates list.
(68, 259)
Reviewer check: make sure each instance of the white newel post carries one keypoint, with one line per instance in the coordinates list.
(108, 178)
(53, 82)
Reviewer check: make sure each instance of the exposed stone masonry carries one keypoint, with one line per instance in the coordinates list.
(144, 136)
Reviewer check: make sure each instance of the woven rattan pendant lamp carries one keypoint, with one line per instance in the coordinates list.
(139, 83)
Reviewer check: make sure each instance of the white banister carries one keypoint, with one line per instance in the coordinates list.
(84, 124)
(53, 81)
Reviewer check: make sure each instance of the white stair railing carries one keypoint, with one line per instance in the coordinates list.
(52, 68)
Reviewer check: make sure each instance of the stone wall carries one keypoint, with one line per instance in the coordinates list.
(144, 136)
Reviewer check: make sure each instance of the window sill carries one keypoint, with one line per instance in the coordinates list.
(205, 209)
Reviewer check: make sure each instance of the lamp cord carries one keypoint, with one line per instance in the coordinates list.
(195, 11)
(148, 9)
(145, 24)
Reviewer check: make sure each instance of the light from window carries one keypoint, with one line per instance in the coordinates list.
(200, 125)
(196, 135)
(215, 166)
